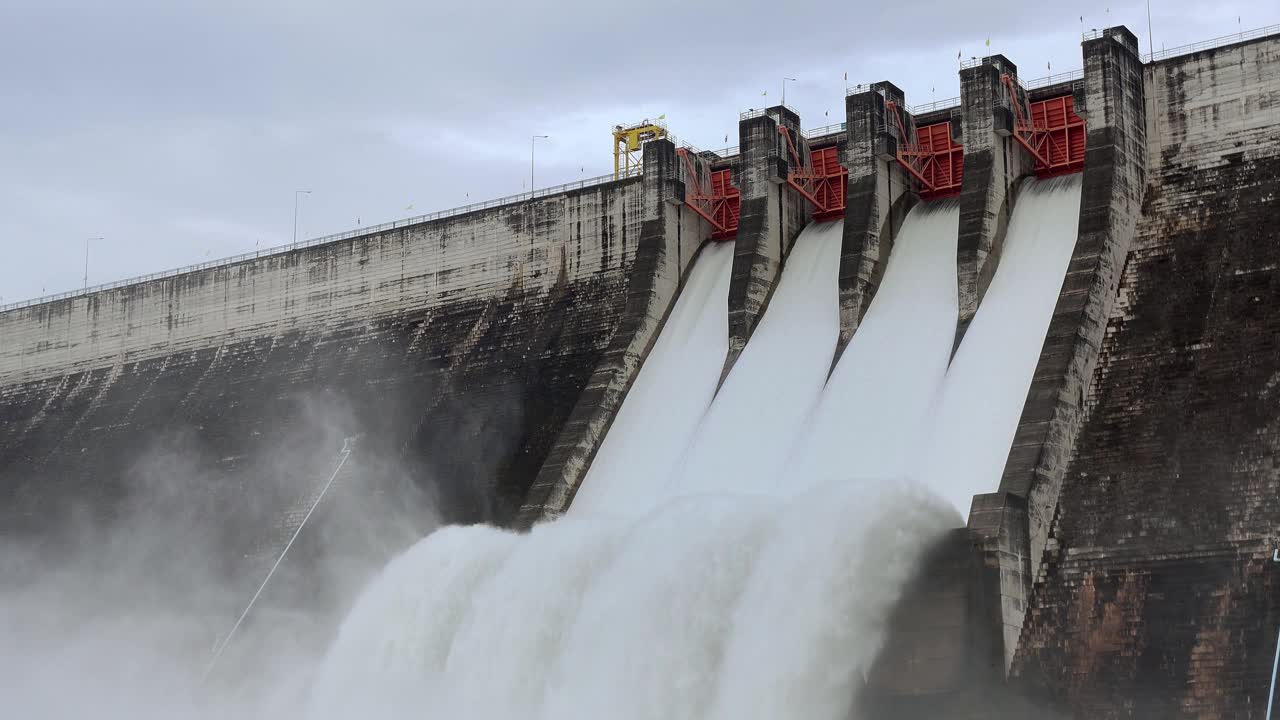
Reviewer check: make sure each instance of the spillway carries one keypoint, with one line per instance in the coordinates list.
(875, 407)
(676, 384)
(986, 384)
(687, 582)
(742, 443)
(659, 595)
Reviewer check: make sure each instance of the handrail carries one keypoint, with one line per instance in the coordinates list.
(935, 105)
(1212, 43)
(358, 232)
(758, 112)
(825, 130)
(1062, 77)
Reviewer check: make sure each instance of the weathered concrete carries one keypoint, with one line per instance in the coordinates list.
(532, 246)
(877, 199)
(455, 350)
(1157, 596)
(993, 164)
(669, 239)
(1111, 199)
(943, 658)
(772, 216)
(998, 522)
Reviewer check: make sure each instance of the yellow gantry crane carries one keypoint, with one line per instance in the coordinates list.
(627, 141)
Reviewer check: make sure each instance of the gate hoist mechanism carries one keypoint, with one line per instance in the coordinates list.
(717, 201)
(929, 155)
(627, 142)
(1049, 129)
(821, 181)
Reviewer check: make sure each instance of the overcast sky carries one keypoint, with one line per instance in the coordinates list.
(178, 131)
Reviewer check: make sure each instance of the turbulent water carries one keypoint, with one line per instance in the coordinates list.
(733, 554)
(676, 384)
(986, 385)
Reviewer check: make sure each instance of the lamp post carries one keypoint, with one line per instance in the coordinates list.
(784, 89)
(296, 194)
(86, 260)
(533, 144)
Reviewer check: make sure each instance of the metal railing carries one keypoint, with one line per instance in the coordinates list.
(358, 232)
(1046, 81)
(727, 152)
(953, 102)
(1212, 43)
(972, 62)
(757, 112)
(825, 130)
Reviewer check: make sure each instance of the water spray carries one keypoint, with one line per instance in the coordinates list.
(348, 444)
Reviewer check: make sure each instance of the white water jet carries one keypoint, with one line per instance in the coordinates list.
(650, 633)
(876, 404)
(546, 578)
(986, 385)
(676, 383)
(742, 443)
(398, 634)
(813, 617)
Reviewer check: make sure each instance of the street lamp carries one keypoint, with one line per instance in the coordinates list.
(784, 89)
(86, 260)
(296, 194)
(533, 143)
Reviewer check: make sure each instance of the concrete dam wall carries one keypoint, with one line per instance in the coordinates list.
(1119, 565)
(1158, 597)
(452, 350)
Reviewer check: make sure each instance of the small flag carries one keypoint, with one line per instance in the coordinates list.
(958, 54)
(766, 92)
(846, 76)
(663, 116)
(1049, 66)
(988, 41)
(409, 206)
(826, 113)
(726, 137)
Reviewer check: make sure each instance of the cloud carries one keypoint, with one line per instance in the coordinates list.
(150, 112)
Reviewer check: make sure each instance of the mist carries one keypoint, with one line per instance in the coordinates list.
(117, 609)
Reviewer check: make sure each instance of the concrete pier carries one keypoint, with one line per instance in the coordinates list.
(772, 216)
(993, 164)
(878, 197)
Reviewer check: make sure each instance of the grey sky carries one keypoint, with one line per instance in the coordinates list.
(178, 131)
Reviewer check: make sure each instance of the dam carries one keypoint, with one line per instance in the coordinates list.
(955, 410)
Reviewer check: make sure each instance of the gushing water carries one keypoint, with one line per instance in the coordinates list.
(732, 554)
(877, 402)
(986, 385)
(742, 443)
(676, 384)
